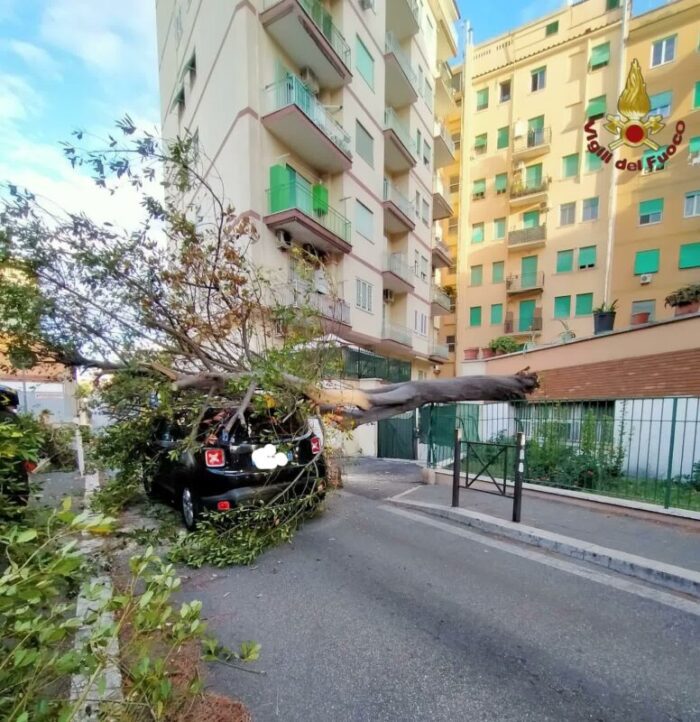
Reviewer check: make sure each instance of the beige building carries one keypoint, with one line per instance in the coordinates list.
(323, 121)
(553, 230)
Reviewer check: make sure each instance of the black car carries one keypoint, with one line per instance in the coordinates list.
(235, 462)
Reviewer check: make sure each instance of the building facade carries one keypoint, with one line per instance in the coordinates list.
(319, 118)
(552, 229)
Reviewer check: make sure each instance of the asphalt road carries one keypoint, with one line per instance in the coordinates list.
(371, 616)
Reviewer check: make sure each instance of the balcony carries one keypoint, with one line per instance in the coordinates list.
(438, 352)
(524, 195)
(440, 302)
(441, 206)
(305, 29)
(445, 151)
(527, 283)
(401, 82)
(524, 326)
(294, 116)
(397, 274)
(402, 18)
(328, 307)
(532, 143)
(399, 148)
(441, 254)
(397, 334)
(304, 213)
(527, 238)
(445, 94)
(399, 212)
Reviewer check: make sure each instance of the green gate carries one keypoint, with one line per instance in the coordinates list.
(396, 437)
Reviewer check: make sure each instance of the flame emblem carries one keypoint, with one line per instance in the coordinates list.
(632, 126)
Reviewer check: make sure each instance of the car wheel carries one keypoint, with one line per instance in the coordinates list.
(189, 505)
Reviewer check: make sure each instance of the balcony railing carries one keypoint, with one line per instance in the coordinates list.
(441, 132)
(395, 196)
(397, 263)
(444, 72)
(392, 46)
(534, 138)
(439, 296)
(527, 235)
(519, 191)
(392, 122)
(302, 293)
(439, 350)
(525, 282)
(292, 91)
(323, 20)
(301, 197)
(523, 325)
(398, 333)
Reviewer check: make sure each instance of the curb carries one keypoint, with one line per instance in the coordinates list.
(669, 576)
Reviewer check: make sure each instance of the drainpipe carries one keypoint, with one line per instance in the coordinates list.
(612, 200)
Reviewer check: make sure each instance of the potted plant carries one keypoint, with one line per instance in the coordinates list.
(685, 300)
(487, 352)
(604, 317)
(503, 345)
(640, 318)
(471, 353)
(567, 334)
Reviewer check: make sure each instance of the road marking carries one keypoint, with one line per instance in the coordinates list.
(617, 582)
(403, 493)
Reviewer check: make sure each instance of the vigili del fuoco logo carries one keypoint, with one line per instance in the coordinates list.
(634, 127)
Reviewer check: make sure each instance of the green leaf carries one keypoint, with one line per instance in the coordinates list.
(249, 651)
(26, 535)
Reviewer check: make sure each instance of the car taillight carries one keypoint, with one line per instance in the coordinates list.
(214, 457)
(315, 445)
(223, 505)
(30, 466)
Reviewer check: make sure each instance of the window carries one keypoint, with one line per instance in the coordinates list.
(600, 56)
(590, 209)
(454, 184)
(531, 219)
(457, 139)
(416, 263)
(426, 154)
(565, 261)
(501, 183)
(538, 79)
(504, 91)
(596, 107)
(475, 316)
(453, 224)
(499, 229)
(570, 165)
(646, 261)
(476, 275)
(364, 143)
(420, 323)
(482, 99)
(423, 268)
(535, 132)
(644, 307)
(651, 212)
(661, 104)
(612, 4)
(696, 96)
(593, 163)
(191, 68)
(364, 62)
(694, 150)
(479, 189)
(584, 304)
(363, 291)
(533, 176)
(478, 233)
(417, 204)
(419, 141)
(496, 314)
(689, 256)
(586, 257)
(497, 268)
(450, 340)
(567, 214)
(480, 143)
(364, 221)
(562, 306)
(428, 93)
(179, 101)
(552, 29)
(652, 160)
(425, 211)
(663, 51)
(692, 204)
(502, 138)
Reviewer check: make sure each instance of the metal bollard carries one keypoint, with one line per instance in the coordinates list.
(456, 461)
(519, 474)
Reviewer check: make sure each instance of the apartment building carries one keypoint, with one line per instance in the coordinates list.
(320, 120)
(553, 229)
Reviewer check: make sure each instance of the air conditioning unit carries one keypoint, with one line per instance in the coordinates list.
(308, 77)
(519, 129)
(284, 239)
(388, 296)
(367, 4)
(646, 278)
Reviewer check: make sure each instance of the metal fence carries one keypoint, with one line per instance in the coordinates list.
(643, 449)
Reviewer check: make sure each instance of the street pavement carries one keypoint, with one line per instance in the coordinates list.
(370, 616)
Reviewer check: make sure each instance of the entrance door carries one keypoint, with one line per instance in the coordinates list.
(528, 271)
(535, 131)
(526, 316)
(396, 437)
(301, 191)
(533, 176)
(531, 219)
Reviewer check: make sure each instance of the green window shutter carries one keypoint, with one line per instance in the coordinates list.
(552, 28)
(526, 312)
(689, 256)
(533, 176)
(570, 165)
(565, 261)
(499, 228)
(503, 135)
(536, 123)
(480, 141)
(596, 107)
(528, 269)
(502, 182)
(696, 96)
(482, 98)
(364, 62)
(477, 275)
(531, 219)
(650, 207)
(497, 272)
(587, 257)
(478, 233)
(496, 313)
(479, 187)
(562, 306)
(281, 189)
(320, 199)
(593, 162)
(646, 261)
(600, 56)
(584, 304)
(612, 4)
(475, 316)
(694, 145)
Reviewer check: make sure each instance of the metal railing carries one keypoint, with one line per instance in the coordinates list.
(392, 46)
(518, 191)
(301, 293)
(527, 235)
(396, 332)
(523, 325)
(397, 263)
(292, 91)
(534, 138)
(647, 449)
(392, 122)
(395, 196)
(440, 245)
(361, 364)
(439, 186)
(323, 20)
(441, 132)
(439, 296)
(525, 282)
(444, 72)
(298, 196)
